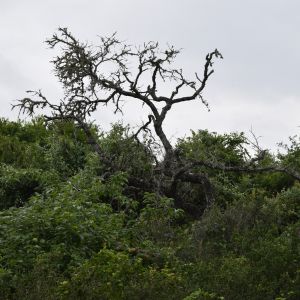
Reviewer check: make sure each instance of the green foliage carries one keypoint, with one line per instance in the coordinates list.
(73, 227)
(21, 144)
(156, 220)
(227, 148)
(202, 295)
(67, 224)
(251, 249)
(292, 156)
(115, 275)
(17, 185)
(66, 149)
(60, 147)
(125, 153)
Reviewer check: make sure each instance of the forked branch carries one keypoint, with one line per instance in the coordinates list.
(114, 72)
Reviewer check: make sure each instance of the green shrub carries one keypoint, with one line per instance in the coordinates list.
(18, 185)
(115, 275)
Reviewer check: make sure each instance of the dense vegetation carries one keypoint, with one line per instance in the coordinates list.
(74, 227)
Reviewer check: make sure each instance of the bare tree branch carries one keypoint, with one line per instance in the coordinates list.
(114, 72)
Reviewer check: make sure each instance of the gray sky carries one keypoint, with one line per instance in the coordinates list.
(256, 85)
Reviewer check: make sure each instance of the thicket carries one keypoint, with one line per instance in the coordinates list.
(72, 229)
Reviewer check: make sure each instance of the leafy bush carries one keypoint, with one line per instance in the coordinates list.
(115, 275)
(62, 221)
(74, 227)
(18, 185)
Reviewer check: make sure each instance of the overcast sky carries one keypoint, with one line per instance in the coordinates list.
(256, 85)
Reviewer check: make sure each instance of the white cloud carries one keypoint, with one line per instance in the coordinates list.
(256, 84)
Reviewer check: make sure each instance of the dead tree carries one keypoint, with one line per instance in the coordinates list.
(114, 72)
